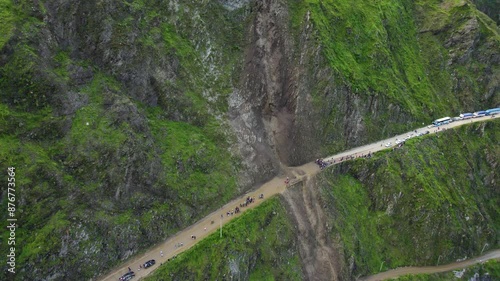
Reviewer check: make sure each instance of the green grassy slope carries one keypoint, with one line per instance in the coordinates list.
(378, 68)
(260, 245)
(434, 199)
(373, 46)
(458, 43)
(490, 8)
(417, 60)
(102, 174)
(7, 20)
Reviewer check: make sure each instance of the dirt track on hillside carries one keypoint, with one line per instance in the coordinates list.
(276, 186)
(432, 269)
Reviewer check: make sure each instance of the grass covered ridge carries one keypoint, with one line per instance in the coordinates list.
(434, 199)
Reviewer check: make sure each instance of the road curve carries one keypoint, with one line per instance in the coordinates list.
(493, 255)
(211, 223)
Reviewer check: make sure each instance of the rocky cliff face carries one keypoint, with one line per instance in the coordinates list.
(129, 120)
(296, 88)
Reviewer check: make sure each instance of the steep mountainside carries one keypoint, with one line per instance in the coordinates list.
(113, 115)
(325, 76)
(127, 120)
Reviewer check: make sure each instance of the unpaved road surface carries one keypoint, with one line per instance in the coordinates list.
(432, 269)
(212, 222)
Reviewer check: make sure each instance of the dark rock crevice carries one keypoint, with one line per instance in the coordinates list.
(261, 110)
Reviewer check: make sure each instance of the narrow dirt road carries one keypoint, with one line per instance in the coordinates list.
(432, 269)
(212, 223)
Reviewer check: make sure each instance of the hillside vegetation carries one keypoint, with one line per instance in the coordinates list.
(260, 245)
(108, 112)
(400, 49)
(374, 48)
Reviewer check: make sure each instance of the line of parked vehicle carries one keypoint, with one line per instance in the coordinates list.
(464, 116)
(130, 274)
(447, 120)
(409, 136)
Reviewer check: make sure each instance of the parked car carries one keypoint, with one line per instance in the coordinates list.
(127, 276)
(388, 144)
(149, 263)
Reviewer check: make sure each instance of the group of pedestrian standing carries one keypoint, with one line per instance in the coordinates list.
(322, 164)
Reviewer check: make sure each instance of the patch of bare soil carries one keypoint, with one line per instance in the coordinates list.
(320, 257)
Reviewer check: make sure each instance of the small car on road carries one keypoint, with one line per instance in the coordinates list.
(149, 263)
(127, 276)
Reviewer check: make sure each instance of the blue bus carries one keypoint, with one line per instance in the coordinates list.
(441, 121)
(466, 115)
(479, 113)
(493, 111)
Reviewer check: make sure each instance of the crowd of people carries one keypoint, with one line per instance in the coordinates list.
(237, 209)
(323, 163)
(233, 211)
(248, 201)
